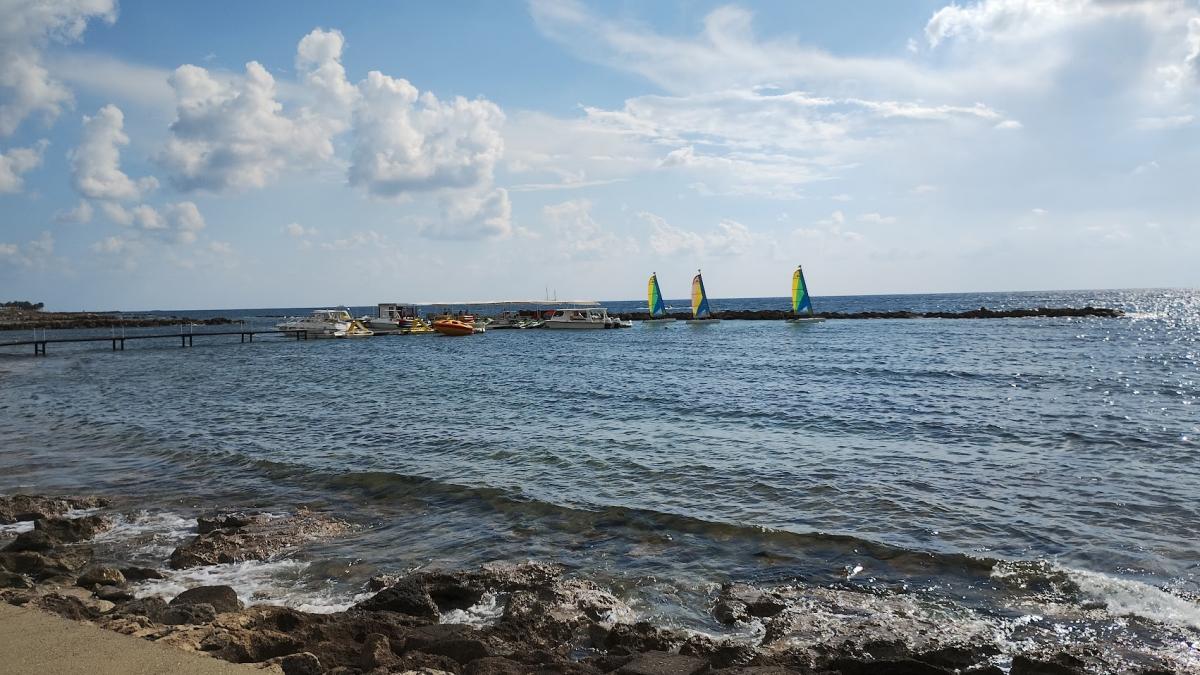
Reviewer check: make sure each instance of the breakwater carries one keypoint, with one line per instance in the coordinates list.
(981, 313)
(73, 320)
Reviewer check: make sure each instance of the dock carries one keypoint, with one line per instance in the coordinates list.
(118, 341)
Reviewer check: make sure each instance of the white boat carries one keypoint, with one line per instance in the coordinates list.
(507, 319)
(322, 323)
(701, 311)
(658, 309)
(395, 318)
(584, 318)
(802, 309)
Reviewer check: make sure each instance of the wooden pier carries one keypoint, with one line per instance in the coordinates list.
(118, 341)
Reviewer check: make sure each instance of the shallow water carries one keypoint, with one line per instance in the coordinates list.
(663, 460)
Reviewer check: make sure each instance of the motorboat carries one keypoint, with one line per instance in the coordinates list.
(508, 319)
(393, 318)
(584, 318)
(455, 327)
(321, 323)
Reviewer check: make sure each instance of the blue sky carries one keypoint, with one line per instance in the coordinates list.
(188, 155)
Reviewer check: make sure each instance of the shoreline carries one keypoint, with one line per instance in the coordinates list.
(506, 617)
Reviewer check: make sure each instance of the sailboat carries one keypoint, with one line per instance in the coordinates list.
(658, 309)
(802, 309)
(701, 311)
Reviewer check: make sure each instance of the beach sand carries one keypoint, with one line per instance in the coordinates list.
(35, 642)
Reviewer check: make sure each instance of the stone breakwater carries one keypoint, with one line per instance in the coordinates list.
(23, 320)
(544, 620)
(981, 313)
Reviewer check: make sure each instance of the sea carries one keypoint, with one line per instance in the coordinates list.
(1037, 476)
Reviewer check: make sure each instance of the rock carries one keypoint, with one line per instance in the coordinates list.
(99, 575)
(66, 606)
(239, 644)
(44, 566)
(495, 665)
(662, 663)
(114, 594)
(738, 602)
(229, 521)
(642, 637)
(408, 596)
(74, 529)
(18, 508)
(304, 663)
(1053, 664)
(718, 653)
(887, 667)
(14, 580)
(34, 540)
(151, 608)
(377, 652)
(191, 613)
(141, 573)
(221, 598)
(254, 541)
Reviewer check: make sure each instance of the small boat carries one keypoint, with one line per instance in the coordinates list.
(658, 309)
(454, 327)
(320, 324)
(353, 330)
(396, 319)
(701, 311)
(584, 318)
(802, 309)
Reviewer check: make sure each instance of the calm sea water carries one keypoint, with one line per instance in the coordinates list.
(947, 458)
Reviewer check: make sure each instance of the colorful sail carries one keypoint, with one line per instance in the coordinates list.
(700, 308)
(801, 302)
(656, 305)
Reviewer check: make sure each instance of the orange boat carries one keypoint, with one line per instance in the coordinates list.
(453, 327)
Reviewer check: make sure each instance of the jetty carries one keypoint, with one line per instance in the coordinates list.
(118, 341)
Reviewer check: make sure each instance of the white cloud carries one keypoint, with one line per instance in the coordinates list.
(230, 136)
(185, 219)
(471, 215)
(26, 27)
(578, 235)
(1147, 167)
(35, 254)
(408, 142)
(876, 218)
(78, 215)
(730, 238)
(17, 161)
(110, 245)
(1163, 123)
(147, 218)
(96, 161)
(1038, 211)
(116, 213)
(299, 231)
(1009, 125)
(830, 228)
(319, 61)
(1000, 19)
(924, 189)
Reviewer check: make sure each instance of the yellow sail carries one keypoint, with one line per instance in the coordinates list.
(700, 306)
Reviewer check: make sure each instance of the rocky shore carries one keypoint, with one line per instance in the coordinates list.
(542, 619)
(26, 320)
(981, 313)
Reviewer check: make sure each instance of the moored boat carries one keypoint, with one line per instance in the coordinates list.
(701, 310)
(454, 327)
(802, 309)
(584, 318)
(658, 309)
(321, 323)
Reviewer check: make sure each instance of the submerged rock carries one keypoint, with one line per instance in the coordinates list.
(739, 602)
(229, 521)
(257, 540)
(18, 508)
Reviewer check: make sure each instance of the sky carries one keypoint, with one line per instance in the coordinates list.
(223, 154)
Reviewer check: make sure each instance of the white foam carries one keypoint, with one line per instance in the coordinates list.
(274, 582)
(16, 528)
(153, 534)
(483, 613)
(1126, 597)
